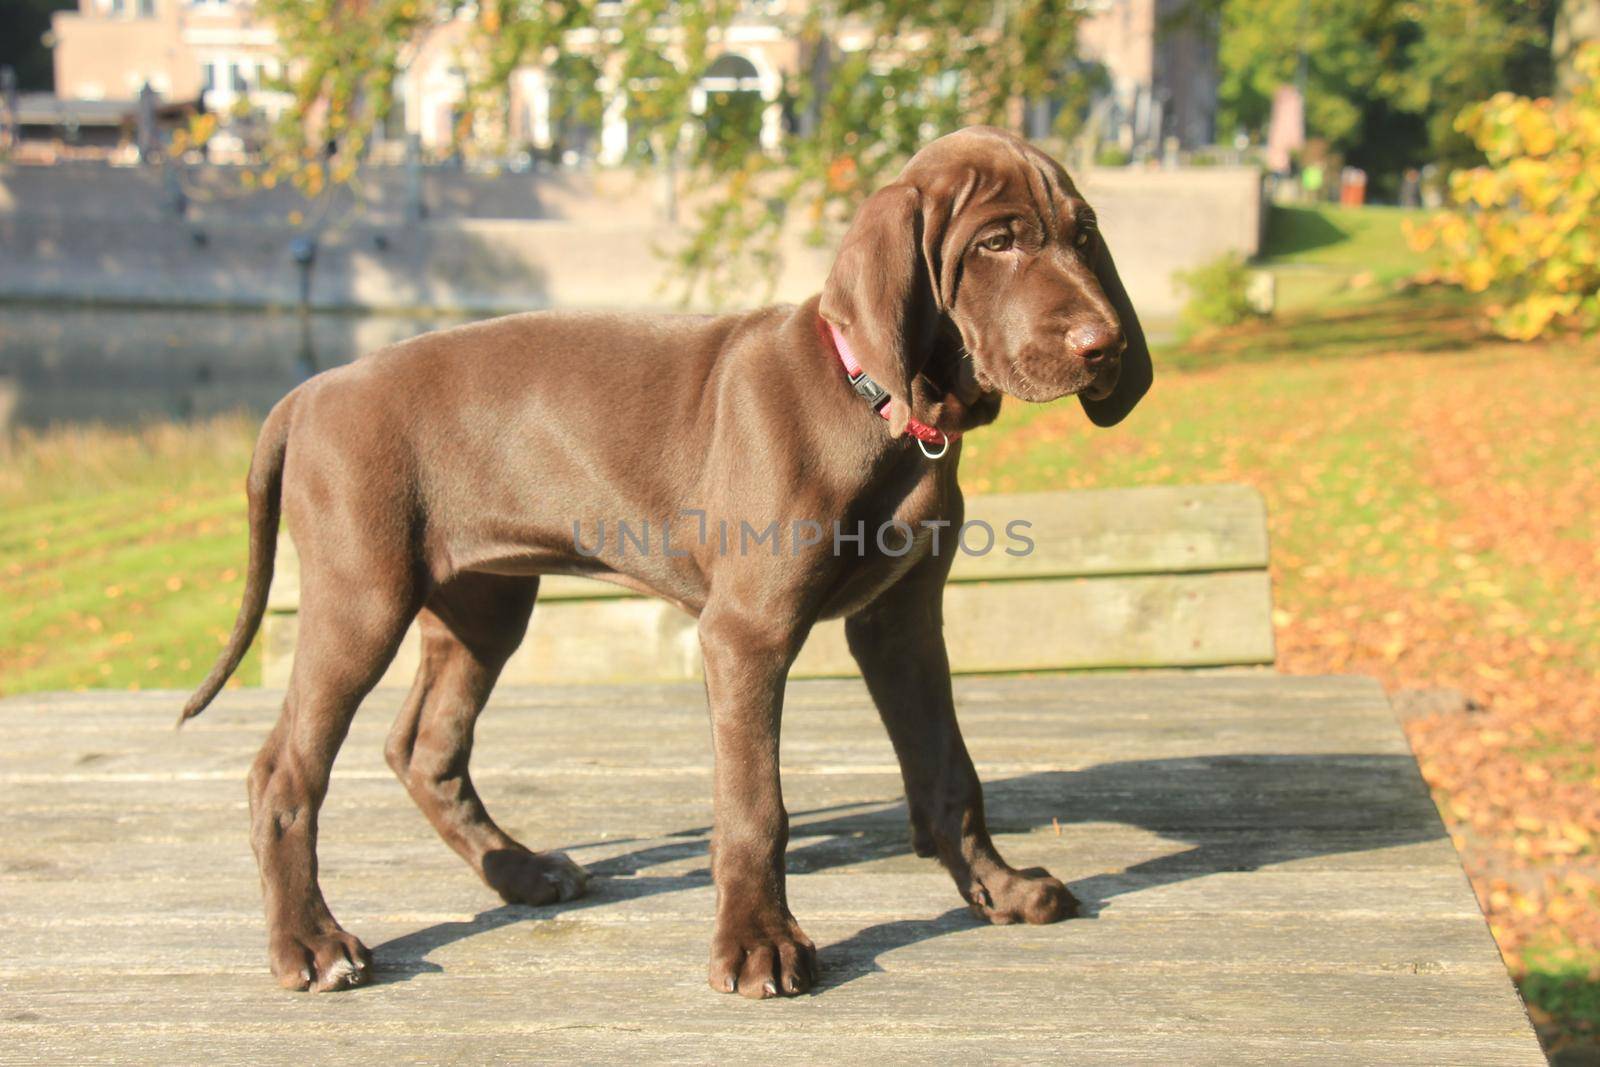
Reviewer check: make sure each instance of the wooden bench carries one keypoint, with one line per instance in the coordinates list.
(1157, 577)
(1269, 881)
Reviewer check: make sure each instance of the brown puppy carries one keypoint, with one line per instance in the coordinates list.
(444, 475)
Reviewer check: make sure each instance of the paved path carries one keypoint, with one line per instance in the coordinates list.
(1269, 880)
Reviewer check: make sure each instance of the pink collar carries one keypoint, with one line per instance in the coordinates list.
(876, 395)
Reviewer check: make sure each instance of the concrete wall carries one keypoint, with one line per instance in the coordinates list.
(1158, 222)
(84, 189)
(108, 235)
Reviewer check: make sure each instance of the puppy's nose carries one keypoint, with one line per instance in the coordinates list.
(1097, 343)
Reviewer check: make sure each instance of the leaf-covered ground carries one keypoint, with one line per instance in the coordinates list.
(1435, 508)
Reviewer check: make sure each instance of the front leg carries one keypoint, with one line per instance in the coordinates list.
(758, 949)
(898, 641)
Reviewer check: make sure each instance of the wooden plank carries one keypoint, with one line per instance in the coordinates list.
(444, 887)
(1148, 530)
(895, 1000)
(623, 1040)
(362, 859)
(494, 941)
(1209, 725)
(1182, 620)
(1081, 533)
(1267, 879)
(1088, 532)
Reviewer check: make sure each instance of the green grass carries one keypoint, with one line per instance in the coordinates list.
(1563, 986)
(1352, 239)
(1317, 251)
(1364, 325)
(121, 554)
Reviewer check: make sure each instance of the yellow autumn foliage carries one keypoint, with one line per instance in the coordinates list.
(1527, 224)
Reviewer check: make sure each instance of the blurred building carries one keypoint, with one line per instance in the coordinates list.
(220, 53)
(757, 53)
(183, 49)
(129, 65)
(1161, 57)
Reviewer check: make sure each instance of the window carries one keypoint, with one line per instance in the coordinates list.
(241, 81)
(115, 7)
(208, 78)
(146, 9)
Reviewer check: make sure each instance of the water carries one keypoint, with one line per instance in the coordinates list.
(66, 364)
(75, 364)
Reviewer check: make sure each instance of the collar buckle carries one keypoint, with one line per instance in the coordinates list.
(870, 391)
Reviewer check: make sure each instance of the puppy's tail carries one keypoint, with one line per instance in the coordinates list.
(264, 488)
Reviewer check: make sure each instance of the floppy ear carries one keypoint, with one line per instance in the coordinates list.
(1137, 373)
(879, 295)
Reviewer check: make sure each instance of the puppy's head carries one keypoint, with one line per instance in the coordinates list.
(981, 271)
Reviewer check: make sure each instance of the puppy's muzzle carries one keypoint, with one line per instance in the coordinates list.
(1098, 347)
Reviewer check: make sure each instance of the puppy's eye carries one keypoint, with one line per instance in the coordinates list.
(1082, 239)
(999, 242)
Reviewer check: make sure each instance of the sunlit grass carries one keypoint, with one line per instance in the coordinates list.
(121, 553)
(1327, 256)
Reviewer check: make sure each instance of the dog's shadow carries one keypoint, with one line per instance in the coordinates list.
(1236, 813)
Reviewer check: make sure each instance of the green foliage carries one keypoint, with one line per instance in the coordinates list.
(344, 61)
(1385, 79)
(921, 69)
(1112, 155)
(1529, 227)
(1219, 294)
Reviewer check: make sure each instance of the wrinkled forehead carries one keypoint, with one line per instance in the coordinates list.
(987, 171)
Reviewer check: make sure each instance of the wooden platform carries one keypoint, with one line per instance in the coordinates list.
(1269, 881)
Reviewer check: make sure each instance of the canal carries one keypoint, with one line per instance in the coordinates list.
(75, 364)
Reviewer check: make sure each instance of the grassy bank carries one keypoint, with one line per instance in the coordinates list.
(1433, 496)
(121, 554)
(1326, 255)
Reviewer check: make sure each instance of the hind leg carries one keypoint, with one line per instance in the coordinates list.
(349, 632)
(470, 627)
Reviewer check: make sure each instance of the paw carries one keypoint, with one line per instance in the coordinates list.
(321, 962)
(762, 959)
(1030, 896)
(524, 877)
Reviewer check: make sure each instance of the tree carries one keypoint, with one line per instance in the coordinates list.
(923, 67)
(1386, 78)
(1577, 21)
(1528, 229)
